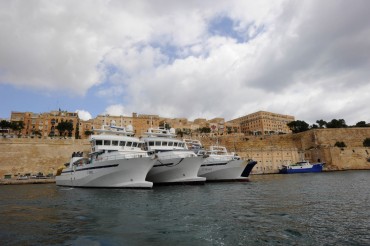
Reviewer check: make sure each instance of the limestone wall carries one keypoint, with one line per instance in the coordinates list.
(315, 145)
(25, 155)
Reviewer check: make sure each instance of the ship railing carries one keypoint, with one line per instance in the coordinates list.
(220, 158)
(121, 156)
(165, 155)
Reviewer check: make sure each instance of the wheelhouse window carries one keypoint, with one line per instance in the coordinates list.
(164, 143)
(134, 144)
(139, 145)
(151, 143)
(170, 143)
(175, 144)
(107, 142)
(157, 143)
(115, 143)
(99, 142)
(129, 144)
(122, 143)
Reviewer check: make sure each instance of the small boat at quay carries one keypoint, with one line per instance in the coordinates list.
(220, 165)
(175, 164)
(302, 167)
(117, 160)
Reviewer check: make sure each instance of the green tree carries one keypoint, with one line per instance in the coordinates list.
(366, 142)
(334, 123)
(322, 123)
(65, 127)
(362, 124)
(205, 130)
(314, 126)
(17, 126)
(4, 126)
(77, 133)
(298, 126)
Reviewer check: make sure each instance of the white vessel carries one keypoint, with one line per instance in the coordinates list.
(221, 165)
(116, 161)
(175, 163)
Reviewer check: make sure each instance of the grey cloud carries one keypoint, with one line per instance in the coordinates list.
(316, 40)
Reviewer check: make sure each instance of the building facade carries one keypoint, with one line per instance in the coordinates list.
(44, 124)
(264, 123)
(140, 123)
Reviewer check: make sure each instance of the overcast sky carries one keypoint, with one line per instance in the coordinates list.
(193, 59)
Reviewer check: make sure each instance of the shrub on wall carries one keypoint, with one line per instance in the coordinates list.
(366, 142)
(340, 144)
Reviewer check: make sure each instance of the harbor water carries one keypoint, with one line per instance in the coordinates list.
(298, 209)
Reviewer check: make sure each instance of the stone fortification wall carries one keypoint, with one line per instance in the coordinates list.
(352, 137)
(26, 155)
(315, 145)
(320, 144)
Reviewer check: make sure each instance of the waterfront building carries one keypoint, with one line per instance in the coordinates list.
(217, 125)
(140, 123)
(181, 125)
(264, 123)
(231, 127)
(143, 122)
(44, 124)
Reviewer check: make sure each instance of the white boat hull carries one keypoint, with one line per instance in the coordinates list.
(231, 170)
(120, 173)
(176, 170)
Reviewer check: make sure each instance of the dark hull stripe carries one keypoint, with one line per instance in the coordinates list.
(163, 165)
(91, 168)
(216, 164)
(248, 169)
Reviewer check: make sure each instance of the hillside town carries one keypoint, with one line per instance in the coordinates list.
(45, 125)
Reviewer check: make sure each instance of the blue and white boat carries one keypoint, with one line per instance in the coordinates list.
(302, 167)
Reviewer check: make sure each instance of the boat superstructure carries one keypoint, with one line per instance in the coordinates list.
(221, 165)
(117, 160)
(175, 163)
